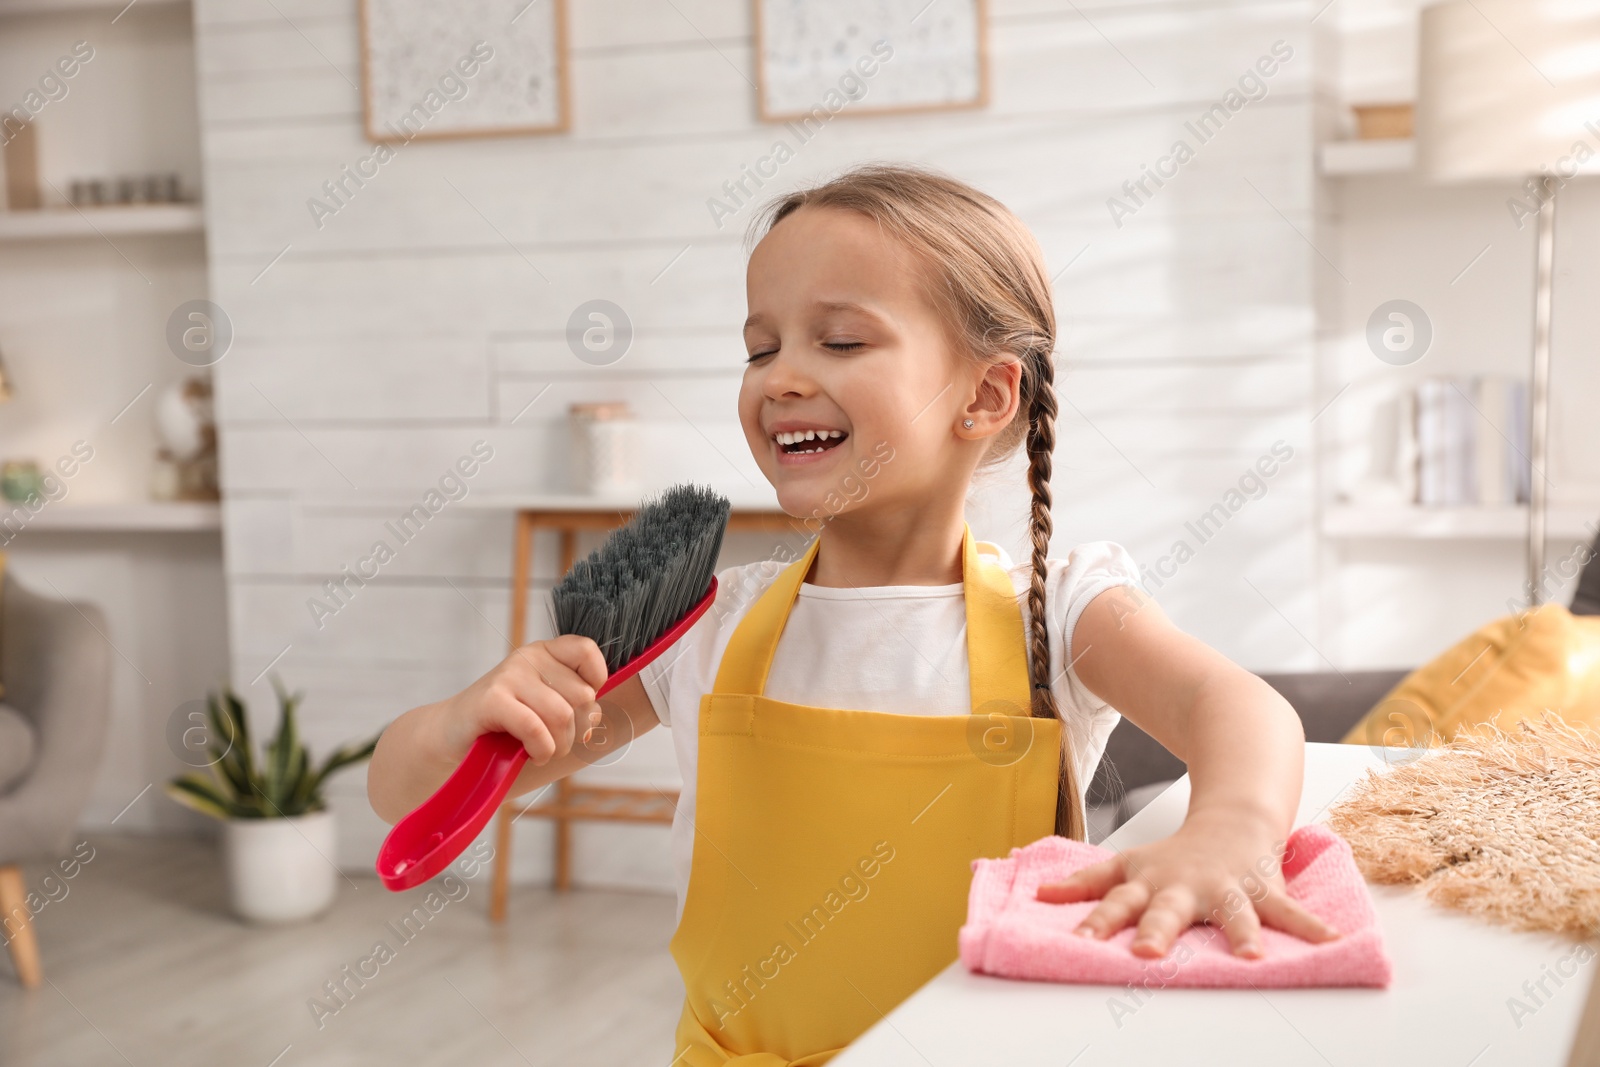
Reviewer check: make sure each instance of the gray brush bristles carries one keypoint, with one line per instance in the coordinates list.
(646, 576)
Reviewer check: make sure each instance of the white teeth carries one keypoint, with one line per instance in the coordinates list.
(794, 437)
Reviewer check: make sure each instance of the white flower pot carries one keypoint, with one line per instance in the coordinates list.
(281, 870)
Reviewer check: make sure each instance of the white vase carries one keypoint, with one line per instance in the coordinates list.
(281, 870)
(604, 462)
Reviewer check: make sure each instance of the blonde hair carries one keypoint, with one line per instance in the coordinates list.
(988, 279)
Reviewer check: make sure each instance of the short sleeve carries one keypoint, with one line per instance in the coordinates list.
(1091, 569)
(686, 666)
(1071, 585)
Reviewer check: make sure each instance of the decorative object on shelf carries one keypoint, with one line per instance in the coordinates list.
(604, 455)
(126, 189)
(87, 192)
(278, 835)
(1449, 442)
(819, 58)
(21, 156)
(166, 481)
(21, 480)
(1384, 122)
(484, 68)
(186, 465)
(1471, 442)
(1488, 109)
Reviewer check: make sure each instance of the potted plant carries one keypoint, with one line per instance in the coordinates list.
(278, 834)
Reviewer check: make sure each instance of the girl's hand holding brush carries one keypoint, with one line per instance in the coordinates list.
(513, 730)
(543, 694)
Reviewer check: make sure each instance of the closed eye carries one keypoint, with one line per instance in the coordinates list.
(841, 346)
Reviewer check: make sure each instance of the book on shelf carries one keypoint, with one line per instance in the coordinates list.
(1467, 440)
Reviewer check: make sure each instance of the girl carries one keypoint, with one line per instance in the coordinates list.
(930, 702)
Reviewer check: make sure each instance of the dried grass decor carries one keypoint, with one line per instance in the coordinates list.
(1503, 825)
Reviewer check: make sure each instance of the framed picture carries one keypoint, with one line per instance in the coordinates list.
(469, 68)
(861, 57)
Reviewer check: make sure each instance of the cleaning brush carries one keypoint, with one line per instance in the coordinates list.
(634, 597)
(631, 590)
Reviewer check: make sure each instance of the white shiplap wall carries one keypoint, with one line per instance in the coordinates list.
(427, 313)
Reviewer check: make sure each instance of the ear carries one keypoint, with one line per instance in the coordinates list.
(995, 397)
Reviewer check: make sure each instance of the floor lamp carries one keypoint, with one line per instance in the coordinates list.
(1510, 89)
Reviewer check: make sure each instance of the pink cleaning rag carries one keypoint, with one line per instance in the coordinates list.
(1011, 934)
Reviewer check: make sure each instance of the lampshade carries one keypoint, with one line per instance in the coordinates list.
(1509, 87)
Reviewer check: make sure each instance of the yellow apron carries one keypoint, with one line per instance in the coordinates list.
(833, 849)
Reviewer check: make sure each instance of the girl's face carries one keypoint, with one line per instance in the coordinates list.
(852, 394)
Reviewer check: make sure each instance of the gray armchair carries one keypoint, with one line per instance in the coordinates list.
(57, 675)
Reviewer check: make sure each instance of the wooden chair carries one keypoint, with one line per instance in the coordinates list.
(571, 802)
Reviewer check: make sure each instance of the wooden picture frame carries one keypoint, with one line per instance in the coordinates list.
(406, 55)
(776, 102)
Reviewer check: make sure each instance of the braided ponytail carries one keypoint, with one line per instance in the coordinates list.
(990, 281)
(1039, 403)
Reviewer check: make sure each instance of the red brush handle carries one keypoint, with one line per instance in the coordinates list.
(425, 842)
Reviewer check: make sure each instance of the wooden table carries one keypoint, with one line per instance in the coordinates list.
(1447, 1006)
(569, 803)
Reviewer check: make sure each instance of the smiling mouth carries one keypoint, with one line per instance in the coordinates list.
(805, 442)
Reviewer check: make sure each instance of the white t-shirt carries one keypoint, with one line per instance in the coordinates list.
(896, 648)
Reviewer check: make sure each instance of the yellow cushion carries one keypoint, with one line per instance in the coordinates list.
(1513, 669)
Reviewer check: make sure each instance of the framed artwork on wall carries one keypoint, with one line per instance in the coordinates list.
(469, 68)
(869, 57)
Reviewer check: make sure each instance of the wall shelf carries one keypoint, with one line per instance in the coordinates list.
(1350, 158)
(1414, 523)
(67, 7)
(142, 516)
(129, 220)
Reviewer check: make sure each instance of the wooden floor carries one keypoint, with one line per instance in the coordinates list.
(144, 966)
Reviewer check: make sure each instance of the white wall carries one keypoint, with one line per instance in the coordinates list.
(377, 349)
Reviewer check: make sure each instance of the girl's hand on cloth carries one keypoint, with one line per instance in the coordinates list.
(1210, 871)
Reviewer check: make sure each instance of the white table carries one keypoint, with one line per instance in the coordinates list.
(1446, 1006)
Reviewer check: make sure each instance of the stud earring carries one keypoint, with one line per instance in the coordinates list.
(967, 423)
